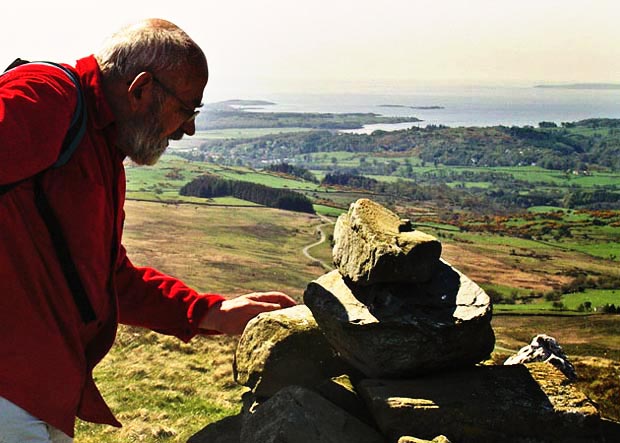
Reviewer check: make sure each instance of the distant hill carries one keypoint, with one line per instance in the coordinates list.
(238, 102)
(581, 86)
(567, 148)
(412, 107)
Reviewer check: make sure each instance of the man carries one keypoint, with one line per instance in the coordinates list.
(141, 90)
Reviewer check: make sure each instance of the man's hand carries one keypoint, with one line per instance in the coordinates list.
(230, 316)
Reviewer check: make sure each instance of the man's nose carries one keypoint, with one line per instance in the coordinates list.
(189, 127)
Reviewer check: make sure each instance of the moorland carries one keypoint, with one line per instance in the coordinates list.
(531, 214)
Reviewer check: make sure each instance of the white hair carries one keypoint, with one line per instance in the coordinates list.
(154, 45)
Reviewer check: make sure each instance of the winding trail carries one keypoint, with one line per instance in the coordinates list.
(306, 250)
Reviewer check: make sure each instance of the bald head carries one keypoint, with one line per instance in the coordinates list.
(152, 45)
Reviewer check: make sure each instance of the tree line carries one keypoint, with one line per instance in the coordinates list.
(210, 186)
(295, 171)
(548, 147)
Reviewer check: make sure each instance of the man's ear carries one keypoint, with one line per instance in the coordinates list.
(139, 91)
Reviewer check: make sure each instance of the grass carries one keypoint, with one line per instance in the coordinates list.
(163, 181)
(328, 210)
(263, 178)
(164, 390)
(608, 250)
(598, 297)
(531, 174)
(589, 335)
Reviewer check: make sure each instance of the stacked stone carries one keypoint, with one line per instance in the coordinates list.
(393, 308)
(387, 349)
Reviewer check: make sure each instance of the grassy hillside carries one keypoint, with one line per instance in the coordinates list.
(165, 391)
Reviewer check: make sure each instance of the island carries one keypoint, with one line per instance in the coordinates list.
(239, 114)
(600, 86)
(412, 107)
(240, 102)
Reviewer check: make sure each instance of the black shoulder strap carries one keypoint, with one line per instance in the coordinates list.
(72, 277)
(77, 127)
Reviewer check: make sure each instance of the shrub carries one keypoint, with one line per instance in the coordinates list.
(553, 296)
(558, 305)
(495, 296)
(608, 309)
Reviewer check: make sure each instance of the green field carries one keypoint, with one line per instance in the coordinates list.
(163, 181)
(571, 302)
(328, 210)
(530, 174)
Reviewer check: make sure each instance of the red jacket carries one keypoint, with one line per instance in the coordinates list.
(47, 353)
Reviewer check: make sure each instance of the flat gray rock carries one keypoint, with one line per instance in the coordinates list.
(373, 245)
(485, 403)
(404, 330)
(298, 415)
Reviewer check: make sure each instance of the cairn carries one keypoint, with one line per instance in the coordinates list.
(393, 308)
(389, 348)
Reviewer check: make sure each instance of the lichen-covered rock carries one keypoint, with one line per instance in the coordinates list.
(298, 415)
(282, 348)
(544, 348)
(373, 245)
(485, 403)
(404, 330)
(408, 439)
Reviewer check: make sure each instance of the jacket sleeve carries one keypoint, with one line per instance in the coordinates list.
(36, 106)
(151, 299)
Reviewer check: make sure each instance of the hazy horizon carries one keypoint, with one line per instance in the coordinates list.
(278, 46)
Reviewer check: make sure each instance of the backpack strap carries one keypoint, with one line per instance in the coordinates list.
(77, 126)
(61, 247)
(75, 133)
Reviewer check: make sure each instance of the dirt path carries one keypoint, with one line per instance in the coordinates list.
(306, 250)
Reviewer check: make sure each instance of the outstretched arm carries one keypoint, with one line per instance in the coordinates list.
(230, 316)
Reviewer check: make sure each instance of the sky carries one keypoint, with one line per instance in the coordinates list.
(274, 46)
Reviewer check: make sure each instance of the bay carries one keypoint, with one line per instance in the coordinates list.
(460, 106)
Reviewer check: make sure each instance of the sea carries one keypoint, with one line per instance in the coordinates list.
(459, 106)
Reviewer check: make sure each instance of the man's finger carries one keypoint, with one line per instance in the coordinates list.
(272, 297)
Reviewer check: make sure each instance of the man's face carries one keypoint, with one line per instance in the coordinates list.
(145, 137)
(141, 137)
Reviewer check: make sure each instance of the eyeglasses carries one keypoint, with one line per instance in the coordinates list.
(189, 110)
